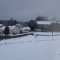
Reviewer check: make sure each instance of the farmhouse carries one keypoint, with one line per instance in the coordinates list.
(48, 26)
(43, 25)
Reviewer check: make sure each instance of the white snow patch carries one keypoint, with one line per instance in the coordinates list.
(31, 47)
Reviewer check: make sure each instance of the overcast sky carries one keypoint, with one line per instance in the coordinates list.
(24, 10)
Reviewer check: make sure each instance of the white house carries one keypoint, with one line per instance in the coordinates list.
(15, 29)
(48, 25)
(43, 23)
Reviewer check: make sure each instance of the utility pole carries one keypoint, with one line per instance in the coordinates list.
(52, 32)
(53, 21)
(52, 26)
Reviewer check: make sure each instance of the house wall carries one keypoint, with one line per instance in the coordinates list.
(52, 27)
(16, 30)
(19, 26)
(1, 31)
(43, 27)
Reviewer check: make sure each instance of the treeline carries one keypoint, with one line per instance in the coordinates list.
(8, 22)
(12, 21)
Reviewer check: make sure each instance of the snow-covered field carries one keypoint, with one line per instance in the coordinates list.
(31, 47)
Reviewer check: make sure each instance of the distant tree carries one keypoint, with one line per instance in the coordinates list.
(41, 18)
(55, 26)
(10, 22)
(6, 30)
(32, 24)
(20, 31)
(14, 22)
(11, 19)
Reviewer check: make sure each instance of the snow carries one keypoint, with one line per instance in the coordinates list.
(2, 28)
(47, 33)
(26, 28)
(1, 25)
(12, 27)
(31, 47)
(44, 22)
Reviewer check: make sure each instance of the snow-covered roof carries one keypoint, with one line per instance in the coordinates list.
(26, 28)
(3, 27)
(1, 24)
(44, 22)
(18, 24)
(12, 27)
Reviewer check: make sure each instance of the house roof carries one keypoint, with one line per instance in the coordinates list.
(44, 22)
(3, 27)
(12, 27)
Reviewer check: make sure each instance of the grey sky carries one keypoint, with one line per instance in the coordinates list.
(29, 9)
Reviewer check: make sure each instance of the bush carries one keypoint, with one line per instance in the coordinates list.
(32, 24)
(6, 30)
(20, 31)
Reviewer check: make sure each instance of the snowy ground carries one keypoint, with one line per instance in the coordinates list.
(31, 47)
